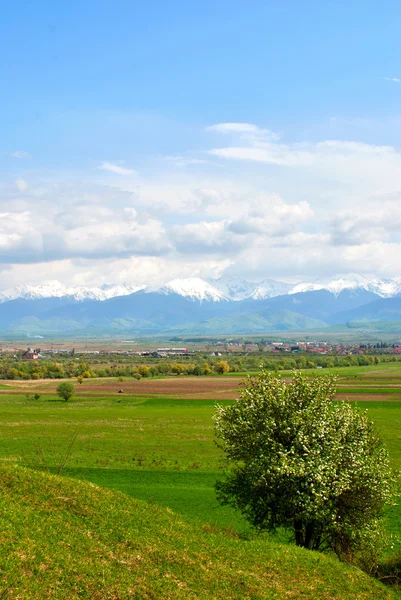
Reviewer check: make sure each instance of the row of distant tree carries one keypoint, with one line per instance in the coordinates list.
(199, 365)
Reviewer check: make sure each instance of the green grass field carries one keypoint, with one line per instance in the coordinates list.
(64, 539)
(158, 448)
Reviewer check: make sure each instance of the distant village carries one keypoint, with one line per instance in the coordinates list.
(220, 348)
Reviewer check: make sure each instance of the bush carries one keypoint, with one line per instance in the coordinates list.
(65, 390)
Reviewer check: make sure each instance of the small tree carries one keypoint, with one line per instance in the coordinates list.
(65, 390)
(222, 367)
(144, 371)
(304, 463)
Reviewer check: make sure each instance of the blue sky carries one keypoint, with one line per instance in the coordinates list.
(191, 118)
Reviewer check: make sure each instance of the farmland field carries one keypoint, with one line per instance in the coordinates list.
(155, 440)
(199, 387)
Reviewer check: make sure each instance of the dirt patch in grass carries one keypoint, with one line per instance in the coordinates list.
(367, 381)
(187, 386)
(369, 397)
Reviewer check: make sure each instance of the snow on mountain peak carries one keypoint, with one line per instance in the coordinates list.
(385, 288)
(55, 289)
(240, 289)
(119, 289)
(352, 282)
(233, 289)
(270, 289)
(206, 290)
(299, 288)
(194, 288)
(48, 289)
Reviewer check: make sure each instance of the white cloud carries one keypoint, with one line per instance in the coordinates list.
(20, 154)
(56, 225)
(393, 79)
(185, 161)
(141, 270)
(357, 227)
(118, 169)
(206, 237)
(275, 219)
(274, 154)
(245, 129)
(116, 237)
(18, 236)
(273, 208)
(341, 171)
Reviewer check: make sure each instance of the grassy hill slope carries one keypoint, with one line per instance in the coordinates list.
(66, 539)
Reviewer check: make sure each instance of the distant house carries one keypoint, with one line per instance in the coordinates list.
(31, 354)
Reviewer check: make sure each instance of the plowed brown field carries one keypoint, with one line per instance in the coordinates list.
(193, 386)
(184, 387)
(370, 397)
(208, 388)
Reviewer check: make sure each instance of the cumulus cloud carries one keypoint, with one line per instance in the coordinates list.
(79, 225)
(116, 237)
(314, 257)
(18, 237)
(356, 228)
(274, 220)
(141, 270)
(206, 237)
(61, 221)
(118, 169)
(274, 208)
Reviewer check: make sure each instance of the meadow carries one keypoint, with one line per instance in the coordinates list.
(155, 440)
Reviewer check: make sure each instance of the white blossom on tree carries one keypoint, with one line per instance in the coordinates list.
(300, 461)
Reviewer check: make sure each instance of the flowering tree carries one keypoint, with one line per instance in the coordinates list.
(300, 461)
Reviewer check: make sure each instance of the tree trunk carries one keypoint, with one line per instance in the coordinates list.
(299, 534)
(309, 531)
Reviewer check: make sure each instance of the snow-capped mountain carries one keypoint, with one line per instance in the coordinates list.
(122, 289)
(385, 288)
(300, 288)
(233, 289)
(224, 289)
(193, 288)
(55, 289)
(239, 289)
(270, 289)
(195, 305)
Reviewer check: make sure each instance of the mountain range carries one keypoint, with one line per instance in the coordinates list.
(206, 306)
(212, 290)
